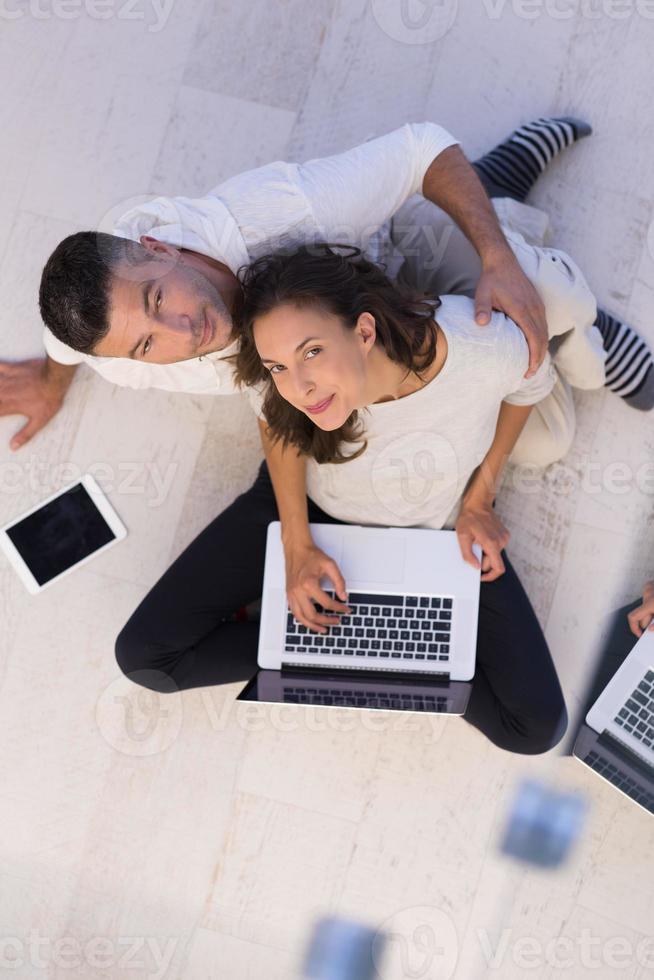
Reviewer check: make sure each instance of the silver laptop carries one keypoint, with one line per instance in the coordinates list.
(415, 605)
(617, 740)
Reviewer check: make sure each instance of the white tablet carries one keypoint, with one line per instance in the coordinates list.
(61, 533)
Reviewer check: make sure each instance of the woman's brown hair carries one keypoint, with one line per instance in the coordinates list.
(345, 285)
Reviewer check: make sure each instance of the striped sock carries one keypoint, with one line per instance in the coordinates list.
(513, 167)
(629, 362)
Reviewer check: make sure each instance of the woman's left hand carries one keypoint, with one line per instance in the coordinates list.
(642, 618)
(478, 523)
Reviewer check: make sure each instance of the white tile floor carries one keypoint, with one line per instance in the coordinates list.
(192, 838)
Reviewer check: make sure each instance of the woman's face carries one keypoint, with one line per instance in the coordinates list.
(318, 364)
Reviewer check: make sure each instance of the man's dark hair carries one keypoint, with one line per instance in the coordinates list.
(75, 285)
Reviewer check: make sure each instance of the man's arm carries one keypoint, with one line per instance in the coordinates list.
(477, 521)
(452, 184)
(35, 388)
(351, 194)
(305, 563)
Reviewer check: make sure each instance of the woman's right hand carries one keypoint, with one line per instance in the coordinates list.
(642, 617)
(306, 564)
(478, 523)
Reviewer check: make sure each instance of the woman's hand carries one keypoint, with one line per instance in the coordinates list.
(305, 566)
(641, 618)
(478, 523)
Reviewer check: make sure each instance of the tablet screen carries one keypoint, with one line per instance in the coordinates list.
(61, 533)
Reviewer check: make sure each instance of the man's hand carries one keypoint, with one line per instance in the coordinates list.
(305, 566)
(642, 617)
(478, 523)
(30, 388)
(452, 184)
(503, 286)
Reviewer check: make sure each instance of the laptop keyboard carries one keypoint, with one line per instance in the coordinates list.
(623, 782)
(637, 714)
(340, 697)
(381, 628)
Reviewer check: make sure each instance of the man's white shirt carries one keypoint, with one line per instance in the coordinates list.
(347, 198)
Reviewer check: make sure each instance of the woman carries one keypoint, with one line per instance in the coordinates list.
(392, 417)
(403, 419)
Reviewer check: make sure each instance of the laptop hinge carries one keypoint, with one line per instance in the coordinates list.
(609, 741)
(366, 673)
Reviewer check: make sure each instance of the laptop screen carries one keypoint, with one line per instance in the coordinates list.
(338, 690)
(612, 760)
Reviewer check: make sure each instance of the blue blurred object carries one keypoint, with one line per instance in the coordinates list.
(342, 950)
(543, 824)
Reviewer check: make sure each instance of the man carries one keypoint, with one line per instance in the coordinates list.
(154, 310)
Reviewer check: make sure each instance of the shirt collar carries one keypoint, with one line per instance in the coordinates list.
(203, 225)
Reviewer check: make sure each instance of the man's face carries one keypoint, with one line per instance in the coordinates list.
(167, 309)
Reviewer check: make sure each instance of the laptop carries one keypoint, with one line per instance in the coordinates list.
(410, 642)
(617, 739)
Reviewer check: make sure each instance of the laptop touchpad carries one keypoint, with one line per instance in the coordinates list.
(374, 561)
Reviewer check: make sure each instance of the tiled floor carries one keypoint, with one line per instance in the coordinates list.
(191, 838)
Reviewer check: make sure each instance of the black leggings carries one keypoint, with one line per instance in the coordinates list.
(180, 636)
